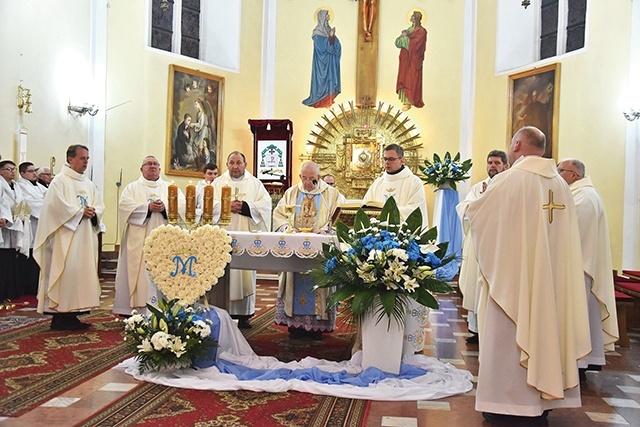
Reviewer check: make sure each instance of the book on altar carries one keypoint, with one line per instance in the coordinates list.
(346, 212)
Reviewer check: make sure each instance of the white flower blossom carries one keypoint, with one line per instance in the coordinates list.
(160, 340)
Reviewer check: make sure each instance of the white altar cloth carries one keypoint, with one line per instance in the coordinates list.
(441, 379)
(277, 251)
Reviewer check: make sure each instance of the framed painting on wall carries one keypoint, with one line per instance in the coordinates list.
(194, 123)
(533, 101)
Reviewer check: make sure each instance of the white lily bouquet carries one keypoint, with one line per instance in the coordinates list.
(170, 337)
(378, 264)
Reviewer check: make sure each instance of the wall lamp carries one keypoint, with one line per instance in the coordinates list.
(631, 114)
(24, 99)
(81, 110)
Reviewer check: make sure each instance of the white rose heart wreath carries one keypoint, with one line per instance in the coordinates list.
(184, 265)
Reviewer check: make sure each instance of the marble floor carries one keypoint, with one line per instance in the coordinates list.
(610, 397)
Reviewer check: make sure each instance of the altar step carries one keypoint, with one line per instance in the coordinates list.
(108, 264)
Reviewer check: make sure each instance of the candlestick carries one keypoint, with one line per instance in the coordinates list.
(207, 206)
(225, 205)
(173, 203)
(191, 202)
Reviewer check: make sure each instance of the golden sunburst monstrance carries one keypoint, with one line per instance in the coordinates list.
(348, 142)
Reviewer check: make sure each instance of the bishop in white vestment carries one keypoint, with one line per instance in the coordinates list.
(250, 211)
(407, 189)
(298, 307)
(532, 313)
(66, 244)
(142, 208)
(596, 260)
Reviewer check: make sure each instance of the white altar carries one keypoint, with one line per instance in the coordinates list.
(277, 251)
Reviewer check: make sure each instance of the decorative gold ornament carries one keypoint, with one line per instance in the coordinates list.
(349, 142)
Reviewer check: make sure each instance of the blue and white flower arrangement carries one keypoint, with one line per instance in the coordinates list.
(378, 264)
(171, 336)
(445, 171)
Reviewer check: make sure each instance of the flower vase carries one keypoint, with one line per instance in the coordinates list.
(382, 343)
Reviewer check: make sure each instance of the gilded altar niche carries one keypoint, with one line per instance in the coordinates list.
(348, 143)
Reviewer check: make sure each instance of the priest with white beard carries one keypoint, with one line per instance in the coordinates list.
(407, 189)
(299, 307)
(250, 211)
(33, 193)
(596, 259)
(533, 309)
(142, 208)
(66, 244)
(470, 280)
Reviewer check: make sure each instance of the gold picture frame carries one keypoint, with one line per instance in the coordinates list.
(194, 121)
(533, 101)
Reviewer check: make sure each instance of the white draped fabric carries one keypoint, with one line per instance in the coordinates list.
(441, 380)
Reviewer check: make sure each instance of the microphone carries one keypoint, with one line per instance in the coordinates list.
(315, 182)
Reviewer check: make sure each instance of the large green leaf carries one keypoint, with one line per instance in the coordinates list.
(436, 158)
(390, 213)
(361, 221)
(414, 221)
(342, 231)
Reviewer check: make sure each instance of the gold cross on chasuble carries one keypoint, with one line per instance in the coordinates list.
(550, 206)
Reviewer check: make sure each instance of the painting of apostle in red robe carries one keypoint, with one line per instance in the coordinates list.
(412, 44)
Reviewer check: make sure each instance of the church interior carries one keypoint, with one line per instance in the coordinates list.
(114, 75)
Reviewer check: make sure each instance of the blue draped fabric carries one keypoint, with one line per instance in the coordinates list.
(368, 376)
(210, 359)
(325, 72)
(449, 230)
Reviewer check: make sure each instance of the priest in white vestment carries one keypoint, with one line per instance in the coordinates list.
(66, 244)
(596, 259)
(14, 232)
(142, 208)
(250, 211)
(469, 281)
(299, 307)
(533, 311)
(407, 189)
(33, 194)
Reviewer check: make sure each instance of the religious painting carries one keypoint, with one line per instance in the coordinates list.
(194, 123)
(533, 101)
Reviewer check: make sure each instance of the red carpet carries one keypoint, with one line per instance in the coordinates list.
(39, 363)
(154, 405)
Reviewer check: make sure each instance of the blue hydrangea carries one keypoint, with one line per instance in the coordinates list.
(433, 260)
(330, 265)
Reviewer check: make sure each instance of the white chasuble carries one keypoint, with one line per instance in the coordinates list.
(596, 259)
(16, 234)
(133, 287)
(34, 196)
(322, 202)
(66, 245)
(470, 280)
(407, 190)
(250, 190)
(525, 233)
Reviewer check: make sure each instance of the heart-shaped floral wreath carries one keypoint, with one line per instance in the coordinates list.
(185, 265)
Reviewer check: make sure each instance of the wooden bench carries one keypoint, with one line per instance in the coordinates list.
(622, 302)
